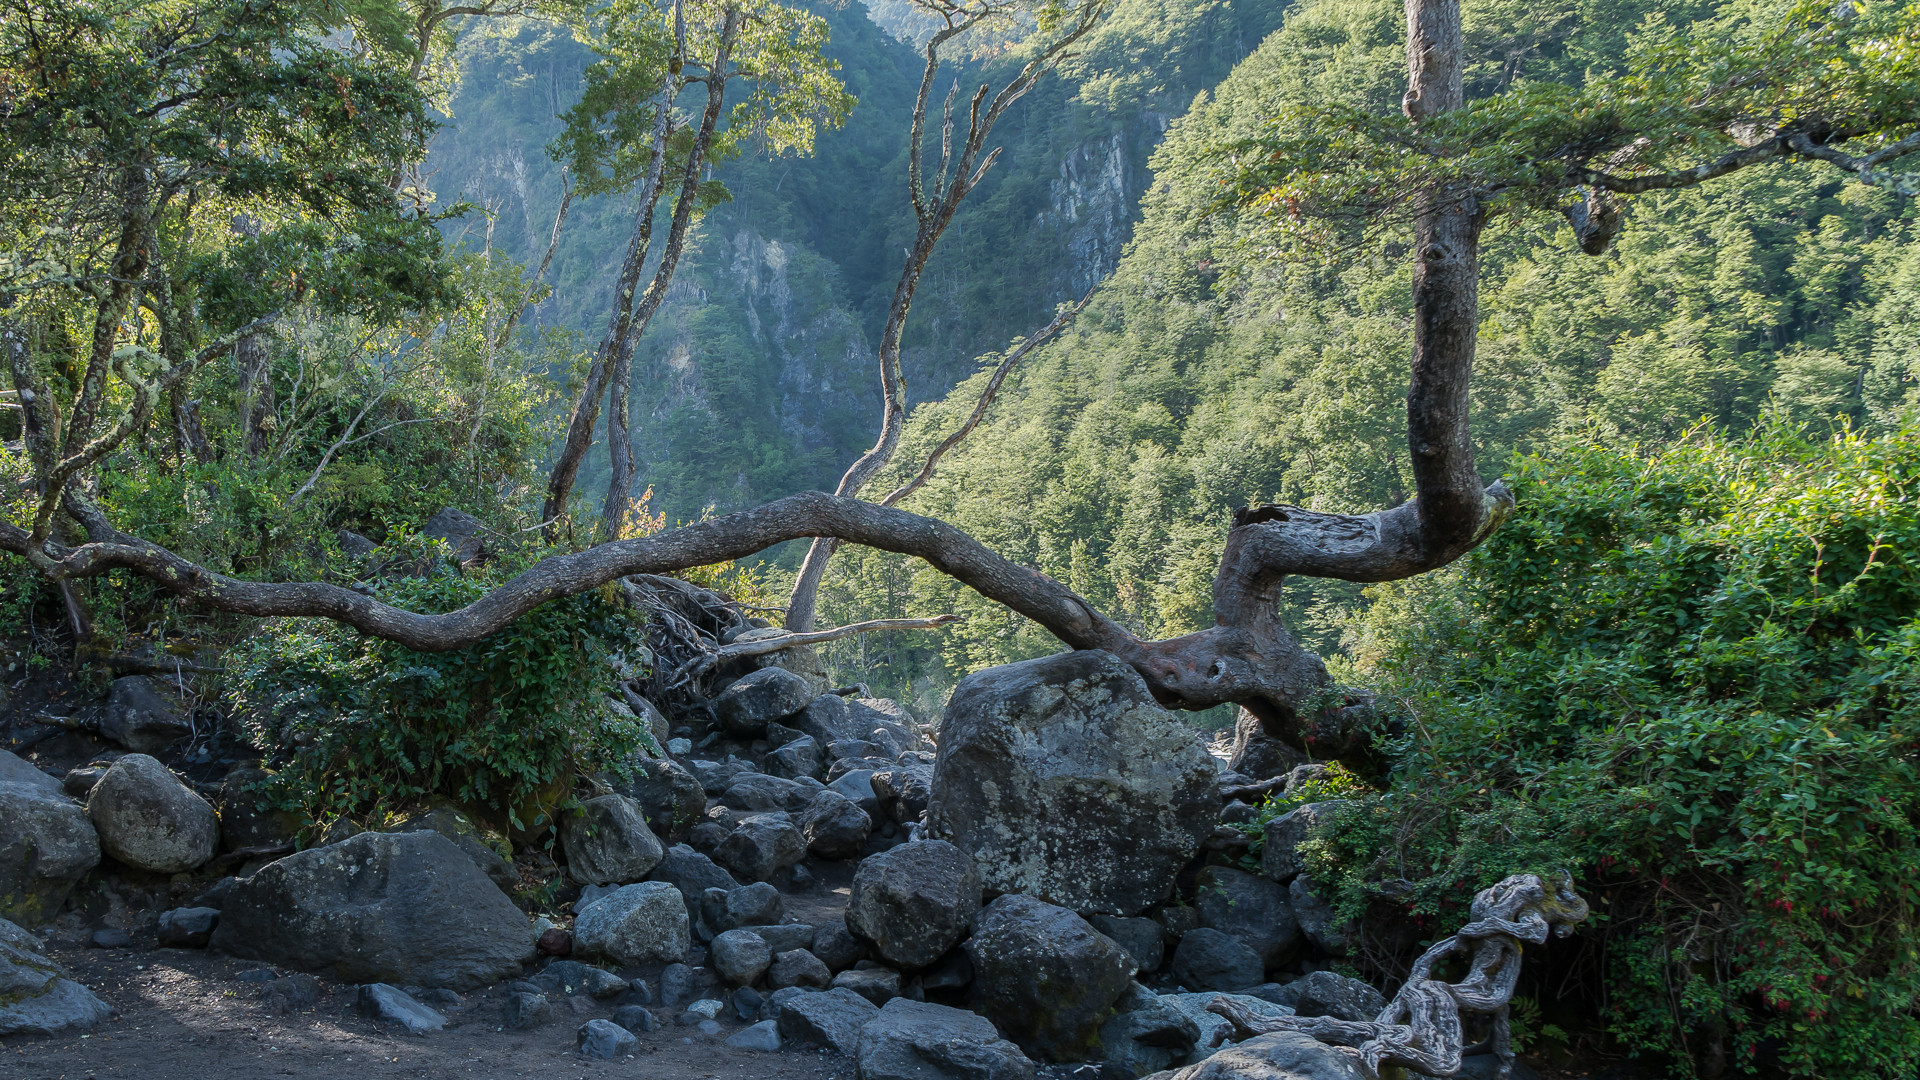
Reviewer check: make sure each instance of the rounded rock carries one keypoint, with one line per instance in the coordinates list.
(148, 819)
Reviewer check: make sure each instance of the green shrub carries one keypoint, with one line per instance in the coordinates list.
(361, 726)
(1693, 676)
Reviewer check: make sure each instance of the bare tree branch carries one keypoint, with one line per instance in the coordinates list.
(987, 395)
(934, 213)
(740, 650)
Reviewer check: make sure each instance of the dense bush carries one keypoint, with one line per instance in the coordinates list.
(361, 726)
(1693, 676)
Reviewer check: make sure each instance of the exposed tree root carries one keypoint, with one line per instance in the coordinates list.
(1424, 1027)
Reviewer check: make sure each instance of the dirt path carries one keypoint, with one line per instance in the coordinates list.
(183, 1015)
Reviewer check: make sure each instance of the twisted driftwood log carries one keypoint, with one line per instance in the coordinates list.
(1425, 1026)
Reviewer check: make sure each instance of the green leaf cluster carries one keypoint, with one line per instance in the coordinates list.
(1846, 76)
(1692, 675)
(360, 727)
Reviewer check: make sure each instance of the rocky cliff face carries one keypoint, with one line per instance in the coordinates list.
(758, 375)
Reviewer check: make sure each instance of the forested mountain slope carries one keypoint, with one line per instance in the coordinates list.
(1207, 375)
(758, 377)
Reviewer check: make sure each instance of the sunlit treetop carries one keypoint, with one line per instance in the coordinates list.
(789, 90)
(124, 117)
(1761, 82)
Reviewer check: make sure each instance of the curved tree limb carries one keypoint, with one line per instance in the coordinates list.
(987, 395)
(1247, 657)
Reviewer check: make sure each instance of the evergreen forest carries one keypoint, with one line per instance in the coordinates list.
(362, 352)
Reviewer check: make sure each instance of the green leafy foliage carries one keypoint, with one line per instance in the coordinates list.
(1692, 674)
(1206, 375)
(1846, 75)
(358, 725)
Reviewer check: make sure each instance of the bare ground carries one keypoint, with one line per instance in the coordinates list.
(182, 1015)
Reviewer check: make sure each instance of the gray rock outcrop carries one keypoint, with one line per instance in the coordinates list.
(1045, 977)
(1280, 846)
(913, 1040)
(635, 924)
(740, 957)
(46, 843)
(913, 902)
(747, 706)
(608, 843)
(1250, 909)
(148, 819)
(392, 1005)
(1283, 1055)
(1326, 993)
(140, 718)
(1207, 959)
(670, 796)
(834, 827)
(187, 927)
(467, 835)
(400, 908)
(760, 846)
(692, 873)
(1315, 916)
(1066, 781)
(1142, 938)
(832, 1019)
(36, 996)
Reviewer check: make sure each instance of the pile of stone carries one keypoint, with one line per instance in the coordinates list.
(1029, 882)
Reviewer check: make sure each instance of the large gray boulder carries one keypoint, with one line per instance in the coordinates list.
(140, 718)
(692, 873)
(669, 795)
(409, 909)
(1044, 977)
(912, 1040)
(1142, 938)
(907, 788)
(716, 776)
(36, 996)
(802, 757)
(1315, 916)
(460, 530)
(1280, 846)
(608, 843)
(763, 793)
(760, 846)
(1065, 780)
(1283, 1055)
(635, 924)
(1214, 1028)
(740, 957)
(46, 843)
(857, 787)
(1149, 1036)
(1256, 752)
(912, 903)
(1326, 993)
(148, 819)
(749, 705)
(834, 827)
(1251, 909)
(1207, 959)
(467, 835)
(832, 1019)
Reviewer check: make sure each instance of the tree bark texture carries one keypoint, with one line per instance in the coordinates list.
(613, 511)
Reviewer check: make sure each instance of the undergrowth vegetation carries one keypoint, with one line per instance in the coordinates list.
(358, 726)
(1692, 675)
